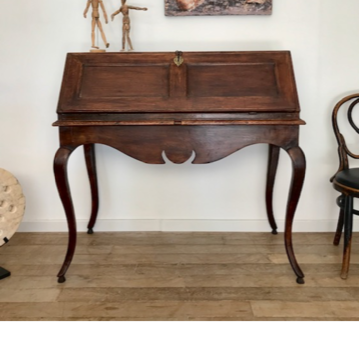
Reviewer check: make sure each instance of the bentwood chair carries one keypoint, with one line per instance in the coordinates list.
(346, 181)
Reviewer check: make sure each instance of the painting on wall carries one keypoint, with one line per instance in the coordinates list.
(217, 7)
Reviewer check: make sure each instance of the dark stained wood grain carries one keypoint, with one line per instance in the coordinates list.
(155, 109)
(210, 143)
(273, 158)
(214, 81)
(298, 174)
(90, 159)
(60, 170)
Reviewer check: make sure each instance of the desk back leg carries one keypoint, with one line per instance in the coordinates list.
(273, 157)
(298, 174)
(89, 150)
(60, 171)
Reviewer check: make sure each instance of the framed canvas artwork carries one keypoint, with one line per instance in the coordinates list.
(217, 7)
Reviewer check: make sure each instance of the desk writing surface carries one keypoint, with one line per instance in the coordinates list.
(206, 82)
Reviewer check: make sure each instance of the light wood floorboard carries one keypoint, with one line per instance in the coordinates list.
(177, 276)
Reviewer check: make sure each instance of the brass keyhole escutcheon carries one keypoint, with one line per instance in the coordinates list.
(178, 60)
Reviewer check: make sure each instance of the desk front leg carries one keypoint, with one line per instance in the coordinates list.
(298, 163)
(89, 151)
(273, 157)
(60, 171)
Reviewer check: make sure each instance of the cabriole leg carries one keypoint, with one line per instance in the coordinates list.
(298, 174)
(60, 170)
(273, 157)
(89, 150)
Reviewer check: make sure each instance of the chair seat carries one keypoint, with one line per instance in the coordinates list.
(348, 178)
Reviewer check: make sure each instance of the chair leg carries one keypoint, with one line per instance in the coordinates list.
(339, 230)
(348, 227)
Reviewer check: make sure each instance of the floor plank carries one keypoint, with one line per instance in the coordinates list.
(344, 309)
(140, 309)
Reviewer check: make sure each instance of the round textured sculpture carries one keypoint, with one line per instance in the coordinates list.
(12, 205)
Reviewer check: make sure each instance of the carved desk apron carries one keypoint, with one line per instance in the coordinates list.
(209, 103)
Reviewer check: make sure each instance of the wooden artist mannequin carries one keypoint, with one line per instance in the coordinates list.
(96, 20)
(126, 27)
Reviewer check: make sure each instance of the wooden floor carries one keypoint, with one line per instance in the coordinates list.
(177, 276)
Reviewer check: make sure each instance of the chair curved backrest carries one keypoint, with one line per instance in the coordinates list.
(343, 150)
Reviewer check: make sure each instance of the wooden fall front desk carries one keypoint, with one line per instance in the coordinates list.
(147, 104)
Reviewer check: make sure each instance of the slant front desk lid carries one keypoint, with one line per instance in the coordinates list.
(188, 82)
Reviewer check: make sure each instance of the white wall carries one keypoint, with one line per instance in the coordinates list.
(35, 37)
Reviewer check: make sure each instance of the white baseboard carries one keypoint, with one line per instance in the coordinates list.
(181, 225)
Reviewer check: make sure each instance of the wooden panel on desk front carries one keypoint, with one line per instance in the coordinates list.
(232, 80)
(118, 82)
(211, 82)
